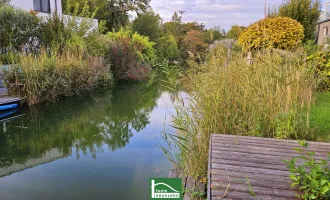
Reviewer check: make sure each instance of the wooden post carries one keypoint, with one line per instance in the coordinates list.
(249, 58)
(265, 11)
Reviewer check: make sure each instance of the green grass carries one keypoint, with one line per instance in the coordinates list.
(320, 116)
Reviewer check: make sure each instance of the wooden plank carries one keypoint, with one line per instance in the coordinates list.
(190, 185)
(189, 188)
(200, 187)
(247, 196)
(244, 188)
(276, 158)
(251, 169)
(217, 179)
(209, 171)
(276, 148)
(173, 173)
(251, 164)
(266, 140)
(265, 145)
(240, 166)
(8, 100)
(251, 175)
(268, 151)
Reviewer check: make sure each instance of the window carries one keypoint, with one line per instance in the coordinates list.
(326, 31)
(41, 6)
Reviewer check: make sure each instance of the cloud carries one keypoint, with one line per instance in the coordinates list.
(214, 12)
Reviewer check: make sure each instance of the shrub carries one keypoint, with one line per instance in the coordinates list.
(320, 62)
(124, 62)
(17, 26)
(269, 98)
(74, 34)
(194, 45)
(167, 48)
(313, 176)
(49, 77)
(140, 44)
(275, 32)
(9, 58)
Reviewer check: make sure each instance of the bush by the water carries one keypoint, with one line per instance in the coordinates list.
(50, 77)
(227, 95)
(124, 62)
(273, 32)
(130, 55)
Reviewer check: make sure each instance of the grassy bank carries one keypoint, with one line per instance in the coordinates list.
(269, 98)
(320, 116)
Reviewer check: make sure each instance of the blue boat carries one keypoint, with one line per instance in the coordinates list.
(8, 107)
(8, 113)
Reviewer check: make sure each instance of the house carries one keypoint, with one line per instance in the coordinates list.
(46, 157)
(43, 7)
(46, 8)
(323, 26)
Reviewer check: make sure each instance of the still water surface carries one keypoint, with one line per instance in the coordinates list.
(102, 145)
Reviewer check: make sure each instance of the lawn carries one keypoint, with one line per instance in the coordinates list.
(320, 116)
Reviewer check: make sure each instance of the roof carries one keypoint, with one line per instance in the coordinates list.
(323, 21)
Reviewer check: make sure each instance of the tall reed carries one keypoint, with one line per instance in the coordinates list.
(269, 98)
(50, 76)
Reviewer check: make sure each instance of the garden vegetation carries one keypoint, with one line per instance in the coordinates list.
(262, 85)
(275, 32)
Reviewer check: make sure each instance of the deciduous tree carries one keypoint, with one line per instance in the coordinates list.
(193, 42)
(306, 12)
(235, 32)
(148, 24)
(114, 12)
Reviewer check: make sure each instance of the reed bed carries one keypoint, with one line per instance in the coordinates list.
(269, 97)
(53, 75)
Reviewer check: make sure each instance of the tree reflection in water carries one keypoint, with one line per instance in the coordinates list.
(83, 124)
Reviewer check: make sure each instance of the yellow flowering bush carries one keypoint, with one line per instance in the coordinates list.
(273, 32)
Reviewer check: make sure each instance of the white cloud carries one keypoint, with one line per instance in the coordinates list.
(214, 12)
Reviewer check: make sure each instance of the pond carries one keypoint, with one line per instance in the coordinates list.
(101, 145)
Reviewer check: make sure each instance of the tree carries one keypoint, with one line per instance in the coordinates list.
(175, 27)
(306, 12)
(148, 24)
(114, 12)
(194, 26)
(193, 42)
(214, 34)
(273, 32)
(235, 32)
(3, 2)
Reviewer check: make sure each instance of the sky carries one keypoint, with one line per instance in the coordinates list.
(223, 13)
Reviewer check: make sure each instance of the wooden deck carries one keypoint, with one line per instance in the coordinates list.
(253, 168)
(193, 189)
(8, 100)
(5, 99)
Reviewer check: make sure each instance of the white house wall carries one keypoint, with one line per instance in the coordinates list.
(28, 5)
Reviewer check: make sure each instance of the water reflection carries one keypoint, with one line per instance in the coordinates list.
(76, 125)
